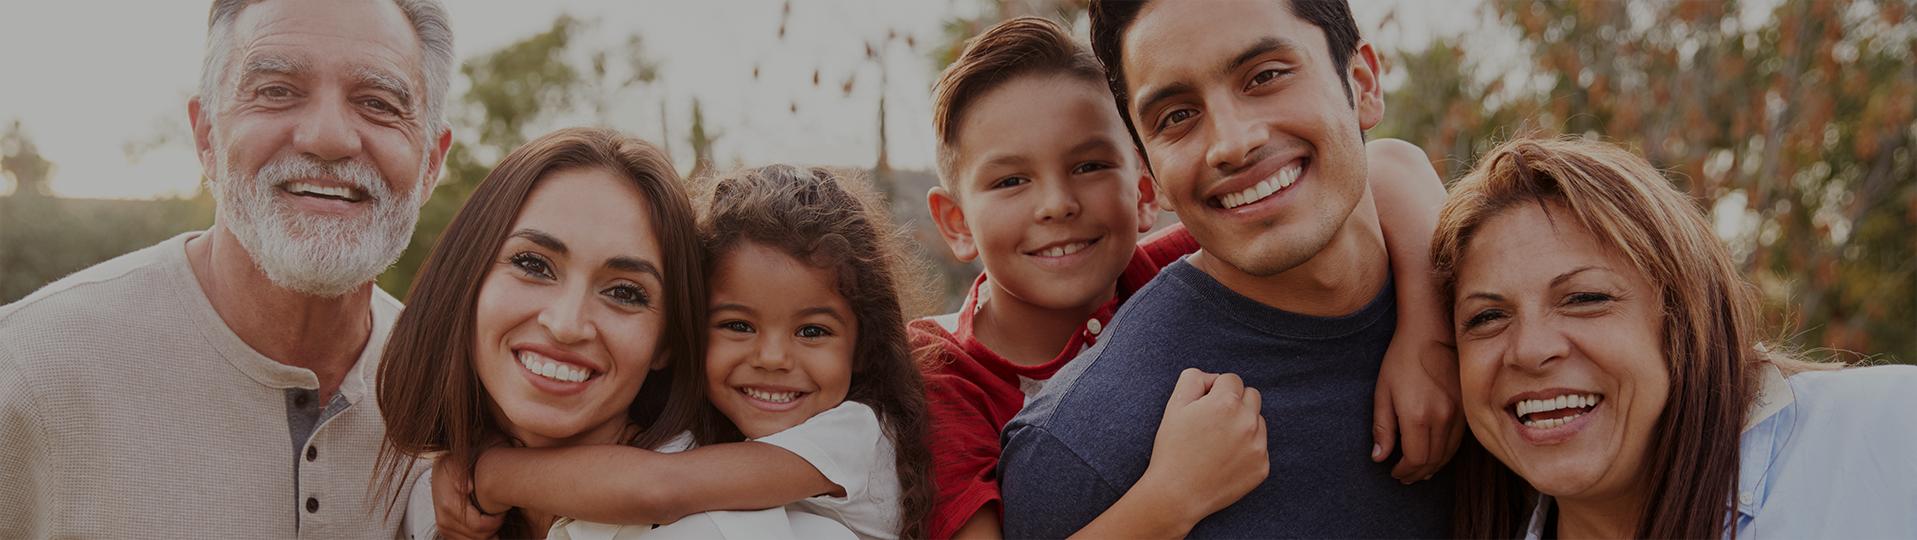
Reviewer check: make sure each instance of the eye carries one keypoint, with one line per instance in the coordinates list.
(379, 105)
(1267, 76)
(813, 331)
(1483, 317)
(1175, 117)
(1587, 298)
(628, 294)
(1091, 167)
(532, 265)
(274, 91)
(736, 326)
(1010, 181)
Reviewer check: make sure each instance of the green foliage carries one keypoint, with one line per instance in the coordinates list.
(512, 90)
(1800, 128)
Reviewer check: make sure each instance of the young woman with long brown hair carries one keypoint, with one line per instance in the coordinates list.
(807, 352)
(1612, 376)
(563, 307)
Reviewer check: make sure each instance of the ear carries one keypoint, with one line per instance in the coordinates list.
(1149, 189)
(1147, 202)
(202, 135)
(435, 164)
(1368, 91)
(660, 361)
(950, 219)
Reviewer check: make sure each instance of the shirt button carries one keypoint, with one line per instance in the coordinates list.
(1094, 326)
(1745, 498)
(312, 505)
(312, 453)
(300, 400)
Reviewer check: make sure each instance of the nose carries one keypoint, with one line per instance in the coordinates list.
(1236, 137)
(326, 131)
(1534, 345)
(1060, 202)
(567, 321)
(771, 354)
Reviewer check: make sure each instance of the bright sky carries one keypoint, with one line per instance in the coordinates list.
(87, 80)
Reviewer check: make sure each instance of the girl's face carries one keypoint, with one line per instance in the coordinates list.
(781, 342)
(569, 320)
(1560, 355)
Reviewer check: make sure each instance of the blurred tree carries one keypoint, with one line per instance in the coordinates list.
(21, 161)
(514, 92)
(1794, 126)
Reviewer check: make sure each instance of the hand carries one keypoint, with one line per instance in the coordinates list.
(1210, 448)
(1417, 405)
(452, 506)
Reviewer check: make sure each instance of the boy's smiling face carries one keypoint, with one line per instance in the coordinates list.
(1049, 192)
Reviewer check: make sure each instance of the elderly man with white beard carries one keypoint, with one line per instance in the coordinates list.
(219, 384)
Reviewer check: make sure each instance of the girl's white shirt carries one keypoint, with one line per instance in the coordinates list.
(846, 443)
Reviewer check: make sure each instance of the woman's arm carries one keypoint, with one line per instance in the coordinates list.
(1417, 397)
(626, 485)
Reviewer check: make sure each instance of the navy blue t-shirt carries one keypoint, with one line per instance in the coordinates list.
(1087, 437)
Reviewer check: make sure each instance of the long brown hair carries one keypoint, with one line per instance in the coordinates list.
(837, 223)
(1709, 327)
(428, 392)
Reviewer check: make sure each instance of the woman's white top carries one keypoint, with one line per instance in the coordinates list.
(846, 443)
(1824, 454)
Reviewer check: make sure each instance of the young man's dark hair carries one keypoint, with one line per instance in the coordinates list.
(1111, 18)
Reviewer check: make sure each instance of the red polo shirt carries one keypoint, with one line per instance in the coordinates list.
(972, 392)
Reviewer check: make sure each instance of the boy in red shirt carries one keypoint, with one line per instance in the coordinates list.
(1039, 180)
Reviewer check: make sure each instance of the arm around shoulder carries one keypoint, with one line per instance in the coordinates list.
(626, 485)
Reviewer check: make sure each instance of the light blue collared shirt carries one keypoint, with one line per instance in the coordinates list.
(1825, 454)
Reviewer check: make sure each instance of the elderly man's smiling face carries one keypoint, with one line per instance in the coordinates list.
(317, 141)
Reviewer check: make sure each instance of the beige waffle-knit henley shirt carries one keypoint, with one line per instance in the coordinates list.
(129, 409)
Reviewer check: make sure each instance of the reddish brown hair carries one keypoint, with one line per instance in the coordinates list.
(432, 399)
(1709, 328)
(1006, 51)
(838, 223)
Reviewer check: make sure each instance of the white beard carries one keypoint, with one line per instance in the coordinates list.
(325, 256)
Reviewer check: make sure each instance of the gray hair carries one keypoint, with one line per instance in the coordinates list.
(429, 24)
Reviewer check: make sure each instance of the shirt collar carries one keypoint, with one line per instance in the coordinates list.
(1763, 430)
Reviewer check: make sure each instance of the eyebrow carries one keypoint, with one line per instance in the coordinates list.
(256, 66)
(822, 310)
(1095, 142)
(1157, 95)
(635, 265)
(384, 81)
(1262, 47)
(1556, 281)
(542, 238)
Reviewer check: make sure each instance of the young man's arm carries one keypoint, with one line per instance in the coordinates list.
(1416, 404)
(1208, 453)
(626, 485)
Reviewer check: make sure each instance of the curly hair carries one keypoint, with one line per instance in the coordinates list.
(838, 223)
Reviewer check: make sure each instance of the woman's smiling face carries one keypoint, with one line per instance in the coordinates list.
(569, 317)
(1560, 354)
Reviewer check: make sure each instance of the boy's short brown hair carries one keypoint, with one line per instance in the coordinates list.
(1007, 50)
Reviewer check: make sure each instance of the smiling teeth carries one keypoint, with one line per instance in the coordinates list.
(1064, 250)
(1284, 179)
(1568, 401)
(547, 368)
(774, 397)
(316, 189)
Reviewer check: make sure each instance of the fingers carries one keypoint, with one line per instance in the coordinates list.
(1191, 386)
(1228, 386)
(1384, 426)
(1417, 440)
